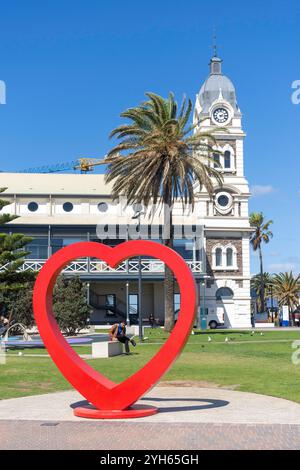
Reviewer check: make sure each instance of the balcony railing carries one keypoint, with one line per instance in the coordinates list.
(148, 266)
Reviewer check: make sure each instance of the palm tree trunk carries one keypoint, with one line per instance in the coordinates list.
(169, 277)
(262, 286)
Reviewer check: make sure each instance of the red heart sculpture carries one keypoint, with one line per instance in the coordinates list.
(96, 388)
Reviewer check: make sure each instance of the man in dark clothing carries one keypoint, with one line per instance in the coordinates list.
(151, 320)
(118, 333)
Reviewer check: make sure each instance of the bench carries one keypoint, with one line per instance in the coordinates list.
(106, 349)
(133, 330)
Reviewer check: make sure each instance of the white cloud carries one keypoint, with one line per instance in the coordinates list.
(261, 190)
(282, 267)
(274, 254)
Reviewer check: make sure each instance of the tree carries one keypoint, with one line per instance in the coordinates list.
(12, 254)
(256, 286)
(19, 304)
(287, 289)
(15, 284)
(12, 279)
(261, 234)
(159, 160)
(4, 218)
(69, 305)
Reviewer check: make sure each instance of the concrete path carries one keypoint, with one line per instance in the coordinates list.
(201, 418)
(176, 404)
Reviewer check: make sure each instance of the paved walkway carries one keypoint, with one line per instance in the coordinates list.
(201, 418)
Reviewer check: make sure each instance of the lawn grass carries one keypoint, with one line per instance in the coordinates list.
(260, 364)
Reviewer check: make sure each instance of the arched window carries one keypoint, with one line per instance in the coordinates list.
(229, 257)
(218, 255)
(227, 159)
(224, 293)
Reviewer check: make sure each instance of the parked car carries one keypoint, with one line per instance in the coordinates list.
(214, 318)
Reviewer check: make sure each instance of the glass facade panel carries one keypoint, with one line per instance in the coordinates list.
(184, 248)
(58, 243)
(38, 248)
(110, 300)
(133, 300)
(176, 302)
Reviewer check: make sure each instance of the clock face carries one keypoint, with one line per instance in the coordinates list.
(220, 115)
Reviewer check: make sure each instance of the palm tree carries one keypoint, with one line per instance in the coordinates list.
(256, 286)
(287, 289)
(261, 234)
(162, 160)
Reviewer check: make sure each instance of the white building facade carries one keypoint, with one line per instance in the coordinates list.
(60, 209)
(226, 217)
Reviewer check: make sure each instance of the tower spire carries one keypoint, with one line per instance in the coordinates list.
(215, 62)
(214, 43)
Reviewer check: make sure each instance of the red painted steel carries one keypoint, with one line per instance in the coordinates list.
(95, 387)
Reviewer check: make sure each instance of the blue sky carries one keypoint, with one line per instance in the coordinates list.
(71, 67)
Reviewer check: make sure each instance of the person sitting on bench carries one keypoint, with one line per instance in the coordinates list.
(4, 324)
(118, 333)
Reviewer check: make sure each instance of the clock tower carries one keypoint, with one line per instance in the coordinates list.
(225, 216)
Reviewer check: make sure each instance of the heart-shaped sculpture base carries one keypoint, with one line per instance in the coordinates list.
(108, 398)
(136, 411)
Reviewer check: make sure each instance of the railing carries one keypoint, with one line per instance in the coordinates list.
(148, 266)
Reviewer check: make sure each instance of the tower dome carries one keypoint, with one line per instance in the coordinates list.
(215, 86)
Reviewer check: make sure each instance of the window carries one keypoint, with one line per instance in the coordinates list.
(33, 206)
(68, 206)
(176, 302)
(38, 248)
(102, 207)
(223, 200)
(216, 67)
(110, 304)
(219, 254)
(227, 159)
(133, 304)
(58, 243)
(224, 293)
(229, 257)
(216, 157)
(224, 257)
(184, 248)
(110, 300)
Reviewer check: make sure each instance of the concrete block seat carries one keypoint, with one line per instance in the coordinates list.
(106, 349)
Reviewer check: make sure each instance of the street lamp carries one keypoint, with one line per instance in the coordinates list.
(138, 217)
(127, 304)
(203, 318)
(88, 293)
